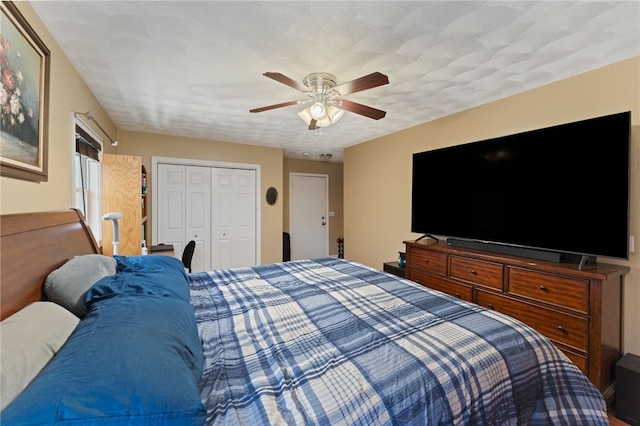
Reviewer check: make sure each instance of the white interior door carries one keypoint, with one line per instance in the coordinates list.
(308, 215)
(234, 218)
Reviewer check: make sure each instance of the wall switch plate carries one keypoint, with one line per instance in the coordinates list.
(631, 244)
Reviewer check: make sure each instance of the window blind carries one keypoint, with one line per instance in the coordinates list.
(87, 145)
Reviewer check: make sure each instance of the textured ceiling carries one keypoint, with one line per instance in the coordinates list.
(195, 69)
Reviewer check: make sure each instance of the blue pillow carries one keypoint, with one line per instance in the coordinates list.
(156, 275)
(132, 360)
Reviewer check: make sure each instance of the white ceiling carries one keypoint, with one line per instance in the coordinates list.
(194, 68)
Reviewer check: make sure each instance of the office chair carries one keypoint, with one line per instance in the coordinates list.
(187, 254)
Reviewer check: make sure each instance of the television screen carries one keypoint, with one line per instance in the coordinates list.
(560, 189)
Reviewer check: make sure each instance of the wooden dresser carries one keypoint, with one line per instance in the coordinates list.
(578, 310)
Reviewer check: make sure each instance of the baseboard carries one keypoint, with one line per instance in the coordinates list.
(609, 395)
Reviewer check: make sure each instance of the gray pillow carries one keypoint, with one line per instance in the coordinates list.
(68, 284)
(30, 338)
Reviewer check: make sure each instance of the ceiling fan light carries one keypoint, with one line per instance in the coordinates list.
(334, 113)
(305, 115)
(318, 111)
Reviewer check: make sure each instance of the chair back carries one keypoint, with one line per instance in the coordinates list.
(187, 254)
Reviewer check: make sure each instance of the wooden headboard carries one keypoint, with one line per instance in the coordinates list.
(31, 246)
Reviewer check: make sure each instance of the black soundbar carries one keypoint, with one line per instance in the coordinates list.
(549, 256)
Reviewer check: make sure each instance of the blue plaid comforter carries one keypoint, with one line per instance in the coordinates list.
(331, 342)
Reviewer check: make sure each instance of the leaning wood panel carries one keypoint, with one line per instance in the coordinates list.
(122, 192)
(31, 246)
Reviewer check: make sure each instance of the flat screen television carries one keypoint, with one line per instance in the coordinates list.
(561, 190)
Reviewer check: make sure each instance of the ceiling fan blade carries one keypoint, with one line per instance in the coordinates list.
(267, 108)
(313, 124)
(367, 111)
(363, 83)
(281, 78)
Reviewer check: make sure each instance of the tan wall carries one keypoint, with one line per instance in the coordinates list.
(334, 171)
(377, 205)
(67, 94)
(269, 159)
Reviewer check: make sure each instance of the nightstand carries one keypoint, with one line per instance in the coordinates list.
(394, 268)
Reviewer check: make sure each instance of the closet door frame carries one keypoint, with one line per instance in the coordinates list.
(205, 163)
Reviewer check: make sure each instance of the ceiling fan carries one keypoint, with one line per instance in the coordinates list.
(325, 96)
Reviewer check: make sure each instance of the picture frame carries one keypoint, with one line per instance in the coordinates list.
(24, 98)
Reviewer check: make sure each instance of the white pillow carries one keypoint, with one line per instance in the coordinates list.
(28, 340)
(69, 284)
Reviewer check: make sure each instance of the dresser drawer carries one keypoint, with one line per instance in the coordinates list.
(476, 271)
(567, 292)
(428, 260)
(562, 328)
(458, 290)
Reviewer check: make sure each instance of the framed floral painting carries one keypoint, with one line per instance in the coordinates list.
(24, 98)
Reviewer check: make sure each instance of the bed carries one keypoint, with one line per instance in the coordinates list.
(324, 341)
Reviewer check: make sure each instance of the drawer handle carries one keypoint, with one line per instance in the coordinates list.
(491, 306)
(426, 260)
(473, 272)
(458, 296)
(543, 288)
(563, 330)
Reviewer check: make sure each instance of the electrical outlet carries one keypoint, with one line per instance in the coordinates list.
(631, 244)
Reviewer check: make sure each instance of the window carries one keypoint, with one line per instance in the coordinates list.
(86, 176)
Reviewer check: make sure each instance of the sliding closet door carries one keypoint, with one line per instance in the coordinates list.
(233, 217)
(170, 196)
(214, 206)
(198, 215)
(184, 210)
